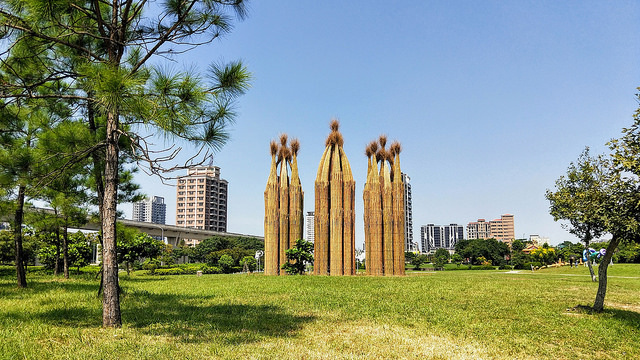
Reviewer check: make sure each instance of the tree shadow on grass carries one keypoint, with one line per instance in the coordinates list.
(73, 316)
(199, 318)
(187, 318)
(630, 318)
(627, 317)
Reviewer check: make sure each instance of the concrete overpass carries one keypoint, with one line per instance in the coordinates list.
(173, 234)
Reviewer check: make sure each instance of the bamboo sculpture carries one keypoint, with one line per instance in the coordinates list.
(383, 197)
(283, 201)
(334, 247)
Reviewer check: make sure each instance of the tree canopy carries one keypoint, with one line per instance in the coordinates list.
(95, 57)
(601, 195)
(491, 249)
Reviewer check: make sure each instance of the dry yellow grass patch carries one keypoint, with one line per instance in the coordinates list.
(359, 340)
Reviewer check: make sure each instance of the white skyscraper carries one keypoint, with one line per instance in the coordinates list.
(308, 226)
(408, 215)
(152, 210)
(440, 236)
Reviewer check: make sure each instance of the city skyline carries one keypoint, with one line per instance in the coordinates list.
(491, 101)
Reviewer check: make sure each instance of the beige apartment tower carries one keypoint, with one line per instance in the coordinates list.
(202, 199)
(480, 229)
(500, 229)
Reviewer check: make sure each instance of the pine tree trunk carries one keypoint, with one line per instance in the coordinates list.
(110, 299)
(65, 251)
(56, 266)
(17, 232)
(598, 304)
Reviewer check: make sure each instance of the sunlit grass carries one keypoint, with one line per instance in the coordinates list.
(427, 315)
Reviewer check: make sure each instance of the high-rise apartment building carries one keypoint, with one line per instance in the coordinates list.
(480, 229)
(440, 236)
(408, 214)
(500, 229)
(309, 231)
(152, 210)
(202, 199)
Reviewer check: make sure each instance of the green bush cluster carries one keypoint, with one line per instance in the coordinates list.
(482, 267)
(184, 269)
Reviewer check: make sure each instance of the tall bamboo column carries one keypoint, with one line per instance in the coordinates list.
(349, 238)
(336, 216)
(283, 223)
(387, 217)
(334, 207)
(398, 212)
(296, 198)
(375, 225)
(272, 218)
(321, 216)
(384, 211)
(284, 201)
(366, 197)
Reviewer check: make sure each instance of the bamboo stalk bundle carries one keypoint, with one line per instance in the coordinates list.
(321, 216)
(366, 196)
(271, 218)
(387, 217)
(296, 199)
(384, 210)
(349, 247)
(337, 216)
(283, 223)
(367, 214)
(375, 226)
(333, 229)
(284, 201)
(398, 212)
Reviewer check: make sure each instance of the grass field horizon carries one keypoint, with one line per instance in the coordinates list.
(466, 314)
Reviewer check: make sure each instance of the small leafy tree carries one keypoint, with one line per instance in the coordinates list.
(298, 256)
(545, 256)
(226, 263)
(457, 259)
(418, 261)
(579, 199)
(249, 262)
(79, 252)
(133, 245)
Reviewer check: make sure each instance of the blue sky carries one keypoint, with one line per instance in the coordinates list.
(491, 100)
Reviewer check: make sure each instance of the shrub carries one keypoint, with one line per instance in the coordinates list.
(151, 265)
(483, 267)
(169, 271)
(186, 269)
(505, 267)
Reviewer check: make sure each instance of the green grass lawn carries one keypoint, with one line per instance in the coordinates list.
(425, 315)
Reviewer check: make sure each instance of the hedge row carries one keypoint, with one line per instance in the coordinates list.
(185, 269)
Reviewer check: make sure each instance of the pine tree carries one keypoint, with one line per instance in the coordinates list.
(100, 55)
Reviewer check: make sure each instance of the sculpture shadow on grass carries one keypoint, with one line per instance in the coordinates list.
(202, 318)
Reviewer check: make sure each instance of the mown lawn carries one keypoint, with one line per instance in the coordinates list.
(426, 315)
